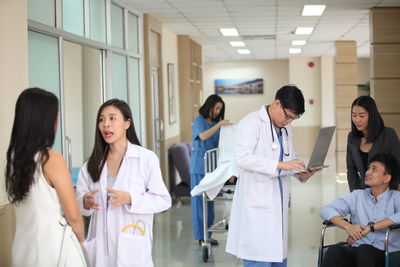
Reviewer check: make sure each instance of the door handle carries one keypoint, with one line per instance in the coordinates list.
(69, 153)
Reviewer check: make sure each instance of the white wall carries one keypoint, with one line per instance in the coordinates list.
(328, 103)
(308, 79)
(13, 71)
(170, 55)
(274, 72)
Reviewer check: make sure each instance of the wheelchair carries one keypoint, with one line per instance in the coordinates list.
(391, 259)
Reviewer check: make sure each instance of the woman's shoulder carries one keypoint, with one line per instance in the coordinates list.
(389, 131)
(145, 152)
(54, 157)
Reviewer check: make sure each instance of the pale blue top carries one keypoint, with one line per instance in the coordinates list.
(361, 205)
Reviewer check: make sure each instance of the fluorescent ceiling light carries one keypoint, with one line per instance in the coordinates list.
(294, 50)
(229, 32)
(243, 51)
(304, 30)
(298, 42)
(313, 10)
(237, 43)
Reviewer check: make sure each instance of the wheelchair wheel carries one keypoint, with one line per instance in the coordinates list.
(204, 253)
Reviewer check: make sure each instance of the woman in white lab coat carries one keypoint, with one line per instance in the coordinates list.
(258, 229)
(120, 187)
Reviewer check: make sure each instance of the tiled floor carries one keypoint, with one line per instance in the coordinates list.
(173, 237)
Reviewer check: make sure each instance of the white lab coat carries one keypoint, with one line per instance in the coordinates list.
(257, 230)
(106, 245)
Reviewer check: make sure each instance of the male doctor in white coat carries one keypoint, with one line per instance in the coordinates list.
(258, 230)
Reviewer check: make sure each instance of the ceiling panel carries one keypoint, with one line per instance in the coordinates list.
(201, 19)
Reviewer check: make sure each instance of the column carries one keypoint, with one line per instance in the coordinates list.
(346, 92)
(385, 63)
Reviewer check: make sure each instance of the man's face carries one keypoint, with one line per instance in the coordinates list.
(283, 116)
(376, 175)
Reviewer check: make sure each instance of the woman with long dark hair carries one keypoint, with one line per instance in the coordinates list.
(368, 137)
(39, 185)
(205, 136)
(120, 187)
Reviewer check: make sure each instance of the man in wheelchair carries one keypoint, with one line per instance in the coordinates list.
(371, 210)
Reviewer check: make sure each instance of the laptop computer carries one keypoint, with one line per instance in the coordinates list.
(321, 148)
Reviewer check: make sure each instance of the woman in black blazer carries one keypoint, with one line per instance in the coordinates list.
(368, 137)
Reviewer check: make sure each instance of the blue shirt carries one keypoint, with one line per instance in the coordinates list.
(361, 205)
(200, 146)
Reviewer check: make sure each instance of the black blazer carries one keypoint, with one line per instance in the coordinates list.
(387, 142)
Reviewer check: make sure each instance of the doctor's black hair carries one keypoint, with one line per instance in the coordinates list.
(33, 133)
(375, 121)
(99, 154)
(208, 106)
(391, 167)
(291, 98)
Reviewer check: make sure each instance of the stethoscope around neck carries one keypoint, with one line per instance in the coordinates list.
(275, 145)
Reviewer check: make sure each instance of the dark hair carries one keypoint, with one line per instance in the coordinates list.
(99, 154)
(375, 121)
(391, 167)
(208, 106)
(33, 133)
(291, 98)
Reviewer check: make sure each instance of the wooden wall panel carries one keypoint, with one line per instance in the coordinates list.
(343, 117)
(347, 53)
(346, 74)
(345, 95)
(385, 25)
(386, 62)
(388, 96)
(392, 120)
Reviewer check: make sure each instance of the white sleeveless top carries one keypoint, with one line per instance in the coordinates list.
(38, 234)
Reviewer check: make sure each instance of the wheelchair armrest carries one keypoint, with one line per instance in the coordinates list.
(394, 226)
(328, 223)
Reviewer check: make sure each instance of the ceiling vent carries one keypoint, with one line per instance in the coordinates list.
(259, 37)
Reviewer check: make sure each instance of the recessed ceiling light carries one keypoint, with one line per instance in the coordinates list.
(304, 30)
(243, 51)
(298, 42)
(237, 43)
(313, 10)
(294, 50)
(229, 32)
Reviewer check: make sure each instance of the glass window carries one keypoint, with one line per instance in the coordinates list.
(43, 11)
(133, 33)
(44, 68)
(117, 26)
(98, 20)
(119, 77)
(73, 16)
(134, 93)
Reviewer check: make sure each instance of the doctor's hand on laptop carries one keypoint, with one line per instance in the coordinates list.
(307, 174)
(292, 165)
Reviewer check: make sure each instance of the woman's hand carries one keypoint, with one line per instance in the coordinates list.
(89, 202)
(118, 198)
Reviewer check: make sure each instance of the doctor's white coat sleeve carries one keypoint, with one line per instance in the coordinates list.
(156, 197)
(83, 187)
(247, 139)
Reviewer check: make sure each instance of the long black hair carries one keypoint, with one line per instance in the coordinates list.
(375, 121)
(33, 132)
(100, 150)
(208, 106)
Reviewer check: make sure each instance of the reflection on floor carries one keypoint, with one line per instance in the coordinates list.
(173, 236)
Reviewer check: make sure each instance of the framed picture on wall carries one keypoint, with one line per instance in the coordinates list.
(171, 93)
(239, 86)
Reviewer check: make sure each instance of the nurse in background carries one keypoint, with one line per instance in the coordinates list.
(368, 137)
(205, 136)
(119, 186)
